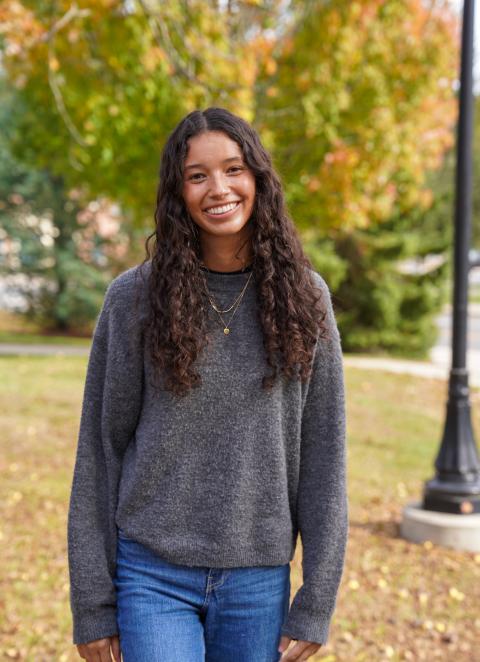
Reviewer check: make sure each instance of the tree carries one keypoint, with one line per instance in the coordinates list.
(359, 109)
(355, 100)
(63, 245)
(364, 91)
(98, 113)
(476, 175)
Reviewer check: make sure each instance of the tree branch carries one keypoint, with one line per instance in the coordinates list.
(57, 95)
(162, 37)
(73, 12)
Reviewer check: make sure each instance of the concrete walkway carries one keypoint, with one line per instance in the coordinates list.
(437, 368)
(43, 350)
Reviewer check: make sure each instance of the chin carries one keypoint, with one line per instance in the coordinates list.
(229, 226)
(224, 232)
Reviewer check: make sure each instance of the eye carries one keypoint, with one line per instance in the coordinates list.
(197, 175)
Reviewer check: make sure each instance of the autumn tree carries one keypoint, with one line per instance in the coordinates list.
(355, 100)
(105, 81)
(359, 108)
(98, 87)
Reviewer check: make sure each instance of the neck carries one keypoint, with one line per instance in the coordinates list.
(220, 255)
(226, 269)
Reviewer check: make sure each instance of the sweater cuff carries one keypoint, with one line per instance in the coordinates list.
(305, 626)
(93, 624)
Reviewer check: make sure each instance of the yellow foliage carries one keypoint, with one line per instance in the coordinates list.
(54, 64)
(270, 66)
(368, 86)
(288, 46)
(152, 57)
(363, 89)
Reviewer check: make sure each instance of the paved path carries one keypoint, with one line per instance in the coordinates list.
(43, 350)
(438, 370)
(438, 367)
(440, 355)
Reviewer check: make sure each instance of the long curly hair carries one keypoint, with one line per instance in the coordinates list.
(289, 304)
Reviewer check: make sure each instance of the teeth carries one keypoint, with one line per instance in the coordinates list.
(222, 210)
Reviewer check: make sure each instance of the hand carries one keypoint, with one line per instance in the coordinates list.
(301, 651)
(99, 650)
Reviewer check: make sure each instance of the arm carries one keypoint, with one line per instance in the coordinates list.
(322, 506)
(111, 405)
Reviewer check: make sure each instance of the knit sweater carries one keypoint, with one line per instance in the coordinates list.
(226, 476)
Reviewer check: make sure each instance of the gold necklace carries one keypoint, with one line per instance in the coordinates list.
(226, 329)
(227, 310)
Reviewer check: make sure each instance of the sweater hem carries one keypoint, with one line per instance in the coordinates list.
(268, 555)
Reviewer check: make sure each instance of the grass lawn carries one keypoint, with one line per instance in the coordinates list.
(34, 339)
(397, 600)
(15, 329)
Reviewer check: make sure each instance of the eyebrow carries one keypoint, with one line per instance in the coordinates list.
(201, 165)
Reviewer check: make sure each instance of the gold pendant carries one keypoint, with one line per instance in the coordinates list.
(226, 331)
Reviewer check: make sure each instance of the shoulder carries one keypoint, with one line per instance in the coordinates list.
(126, 285)
(319, 282)
(327, 302)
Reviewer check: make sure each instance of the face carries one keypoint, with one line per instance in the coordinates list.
(218, 186)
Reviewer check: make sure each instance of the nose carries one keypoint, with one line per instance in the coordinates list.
(219, 187)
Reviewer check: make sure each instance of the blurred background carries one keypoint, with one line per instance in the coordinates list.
(357, 103)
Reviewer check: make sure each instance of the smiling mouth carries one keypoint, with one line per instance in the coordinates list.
(222, 210)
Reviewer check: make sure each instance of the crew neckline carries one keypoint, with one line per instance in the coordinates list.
(228, 281)
(227, 273)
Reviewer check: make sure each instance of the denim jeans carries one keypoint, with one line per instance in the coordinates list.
(175, 613)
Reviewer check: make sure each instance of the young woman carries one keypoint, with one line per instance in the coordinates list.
(212, 428)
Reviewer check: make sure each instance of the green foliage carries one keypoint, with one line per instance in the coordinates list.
(381, 302)
(103, 90)
(48, 238)
(359, 107)
(325, 260)
(476, 177)
(354, 99)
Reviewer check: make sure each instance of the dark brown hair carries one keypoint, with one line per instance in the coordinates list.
(289, 304)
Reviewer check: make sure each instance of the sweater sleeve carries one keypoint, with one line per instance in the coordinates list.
(111, 405)
(322, 506)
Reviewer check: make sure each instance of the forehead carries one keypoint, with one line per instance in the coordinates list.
(211, 146)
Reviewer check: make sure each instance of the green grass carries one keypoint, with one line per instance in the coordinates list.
(397, 600)
(34, 339)
(16, 329)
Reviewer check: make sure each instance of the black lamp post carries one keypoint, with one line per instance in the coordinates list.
(456, 485)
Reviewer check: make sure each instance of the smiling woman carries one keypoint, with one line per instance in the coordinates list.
(213, 426)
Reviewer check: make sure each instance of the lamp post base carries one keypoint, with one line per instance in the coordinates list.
(450, 497)
(444, 529)
(456, 485)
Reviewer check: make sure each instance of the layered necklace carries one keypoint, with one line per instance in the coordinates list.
(234, 306)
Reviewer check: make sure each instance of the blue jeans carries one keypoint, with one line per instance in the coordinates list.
(176, 613)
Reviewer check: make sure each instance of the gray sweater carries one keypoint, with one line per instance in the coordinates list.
(226, 476)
